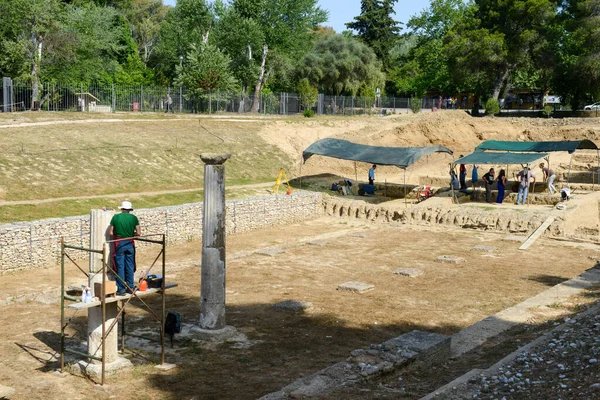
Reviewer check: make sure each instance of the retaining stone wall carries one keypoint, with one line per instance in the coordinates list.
(26, 245)
(463, 217)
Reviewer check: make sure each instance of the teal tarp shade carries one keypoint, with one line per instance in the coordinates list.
(498, 158)
(537, 147)
(399, 156)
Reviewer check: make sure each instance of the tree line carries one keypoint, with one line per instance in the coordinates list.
(481, 47)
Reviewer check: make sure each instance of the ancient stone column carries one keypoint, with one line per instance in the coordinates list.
(212, 289)
(99, 225)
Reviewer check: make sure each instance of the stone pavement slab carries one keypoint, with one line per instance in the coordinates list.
(411, 272)
(269, 252)
(293, 306)
(356, 287)
(484, 249)
(450, 259)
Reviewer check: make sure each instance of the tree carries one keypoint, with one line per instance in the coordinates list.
(376, 27)
(308, 94)
(28, 26)
(495, 38)
(342, 65)
(286, 28)
(186, 25)
(420, 63)
(242, 40)
(145, 17)
(576, 49)
(204, 70)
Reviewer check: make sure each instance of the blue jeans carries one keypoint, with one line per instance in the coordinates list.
(522, 193)
(125, 262)
(463, 180)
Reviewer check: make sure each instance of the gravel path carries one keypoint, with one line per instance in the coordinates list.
(562, 365)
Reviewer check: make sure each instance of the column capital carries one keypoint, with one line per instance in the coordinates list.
(214, 158)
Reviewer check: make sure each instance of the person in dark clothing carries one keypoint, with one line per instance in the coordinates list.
(501, 186)
(488, 178)
(462, 175)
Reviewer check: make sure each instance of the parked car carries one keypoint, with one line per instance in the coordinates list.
(592, 107)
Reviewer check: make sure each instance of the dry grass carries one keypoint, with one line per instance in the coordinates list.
(40, 162)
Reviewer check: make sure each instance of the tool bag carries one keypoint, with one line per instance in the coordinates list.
(172, 325)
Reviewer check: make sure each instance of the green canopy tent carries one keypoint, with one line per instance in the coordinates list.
(542, 147)
(401, 157)
(537, 147)
(500, 158)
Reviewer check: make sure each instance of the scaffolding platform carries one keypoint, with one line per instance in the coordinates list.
(139, 293)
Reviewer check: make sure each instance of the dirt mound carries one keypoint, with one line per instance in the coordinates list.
(454, 129)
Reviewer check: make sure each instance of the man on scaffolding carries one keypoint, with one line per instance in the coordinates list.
(123, 227)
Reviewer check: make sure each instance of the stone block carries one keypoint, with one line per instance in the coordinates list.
(425, 346)
(356, 287)
(514, 238)
(450, 259)
(484, 249)
(293, 306)
(165, 367)
(360, 235)
(317, 243)
(6, 392)
(269, 252)
(411, 272)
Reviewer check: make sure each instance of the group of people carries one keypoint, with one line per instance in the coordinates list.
(525, 178)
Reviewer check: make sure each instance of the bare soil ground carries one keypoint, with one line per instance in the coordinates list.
(283, 347)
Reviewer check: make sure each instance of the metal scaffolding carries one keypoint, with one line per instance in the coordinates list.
(122, 301)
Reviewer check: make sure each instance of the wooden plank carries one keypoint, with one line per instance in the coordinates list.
(538, 232)
(147, 292)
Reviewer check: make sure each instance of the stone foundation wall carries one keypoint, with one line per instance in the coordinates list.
(36, 244)
(462, 217)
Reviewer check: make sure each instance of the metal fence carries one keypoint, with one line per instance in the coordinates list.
(18, 96)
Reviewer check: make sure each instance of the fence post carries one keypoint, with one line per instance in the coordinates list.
(180, 100)
(141, 98)
(114, 101)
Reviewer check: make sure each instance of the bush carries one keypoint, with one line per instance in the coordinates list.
(308, 94)
(415, 104)
(547, 111)
(309, 113)
(492, 107)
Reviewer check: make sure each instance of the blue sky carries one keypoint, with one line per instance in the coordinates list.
(342, 11)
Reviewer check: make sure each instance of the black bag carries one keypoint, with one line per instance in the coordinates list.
(172, 325)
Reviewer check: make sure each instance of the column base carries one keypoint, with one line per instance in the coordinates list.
(95, 369)
(208, 335)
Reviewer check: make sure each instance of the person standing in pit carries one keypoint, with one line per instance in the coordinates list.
(488, 179)
(123, 228)
(501, 186)
(549, 177)
(526, 177)
(372, 174)
(462, 175)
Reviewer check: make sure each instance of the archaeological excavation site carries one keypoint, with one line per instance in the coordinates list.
(364, 257)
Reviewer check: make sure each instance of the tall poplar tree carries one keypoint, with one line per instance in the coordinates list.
(376, 27)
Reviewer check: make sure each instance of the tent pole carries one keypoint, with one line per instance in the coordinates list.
(548, 160)
(569, 175)
(598, 170)
(529, 187)
(405, 204)
(355, 172)
(300, 174)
